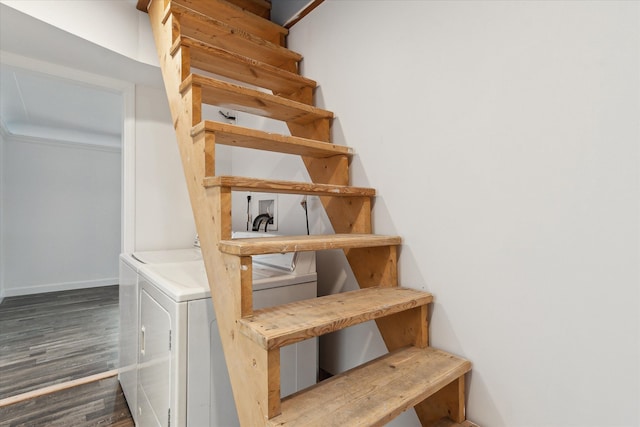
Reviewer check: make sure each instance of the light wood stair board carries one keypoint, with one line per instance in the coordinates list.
(142, 5)
(448, 402)
(284, 244)
(374, 393)
(238, 183)
(261, 8)
(238, 136)
(219, 34)
(222, 62)
(239, 18)
(234, 97)
(276, 327)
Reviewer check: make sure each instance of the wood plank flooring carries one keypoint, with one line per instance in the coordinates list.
(99, 403)
(51, 338)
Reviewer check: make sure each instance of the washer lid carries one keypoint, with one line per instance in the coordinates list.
(185, 281)
(166, 256)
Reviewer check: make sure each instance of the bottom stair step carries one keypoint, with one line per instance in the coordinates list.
(374, 393)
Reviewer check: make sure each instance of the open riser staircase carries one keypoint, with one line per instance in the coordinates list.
(196, 39)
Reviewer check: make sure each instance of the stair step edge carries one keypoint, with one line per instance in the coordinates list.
(239, 136)
(253, 101)
(238, 183)
(374, 393)
(278, 326)
(285, 244)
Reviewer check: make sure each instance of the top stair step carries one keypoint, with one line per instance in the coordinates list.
(220, 34)
(238, 17)
(375, 393)
(284, 244)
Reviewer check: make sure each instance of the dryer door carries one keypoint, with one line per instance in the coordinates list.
(154, 358)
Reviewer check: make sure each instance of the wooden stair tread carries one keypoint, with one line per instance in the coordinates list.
(374, 393)
(284, 244)
(229, 64)
(142, 5)
(234, 97)
(238, 17)
(239, 183)
(220, 34)
(286, 324)
(238, 136)
(261, 8)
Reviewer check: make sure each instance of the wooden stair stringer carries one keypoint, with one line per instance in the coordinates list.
(254, 372)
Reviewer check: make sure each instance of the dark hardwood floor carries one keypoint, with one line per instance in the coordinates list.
(52, 338)
(100, 403)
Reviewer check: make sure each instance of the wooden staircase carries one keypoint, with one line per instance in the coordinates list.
(233, 39)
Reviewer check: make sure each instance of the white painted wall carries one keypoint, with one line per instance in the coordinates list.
(502, 138)
(163, 216)
(61, 215)
(114, 24)
(263, 164)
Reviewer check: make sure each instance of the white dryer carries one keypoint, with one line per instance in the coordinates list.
(182, 376)
(129, 313)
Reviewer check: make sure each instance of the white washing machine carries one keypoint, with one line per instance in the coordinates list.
(182, 376)
(129, 313)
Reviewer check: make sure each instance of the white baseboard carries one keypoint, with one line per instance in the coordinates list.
(56, 287)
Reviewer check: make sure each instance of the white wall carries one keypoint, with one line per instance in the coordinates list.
(263, 164)
(502, 138)
(163, 216)
(115, 24)
(61, 215)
